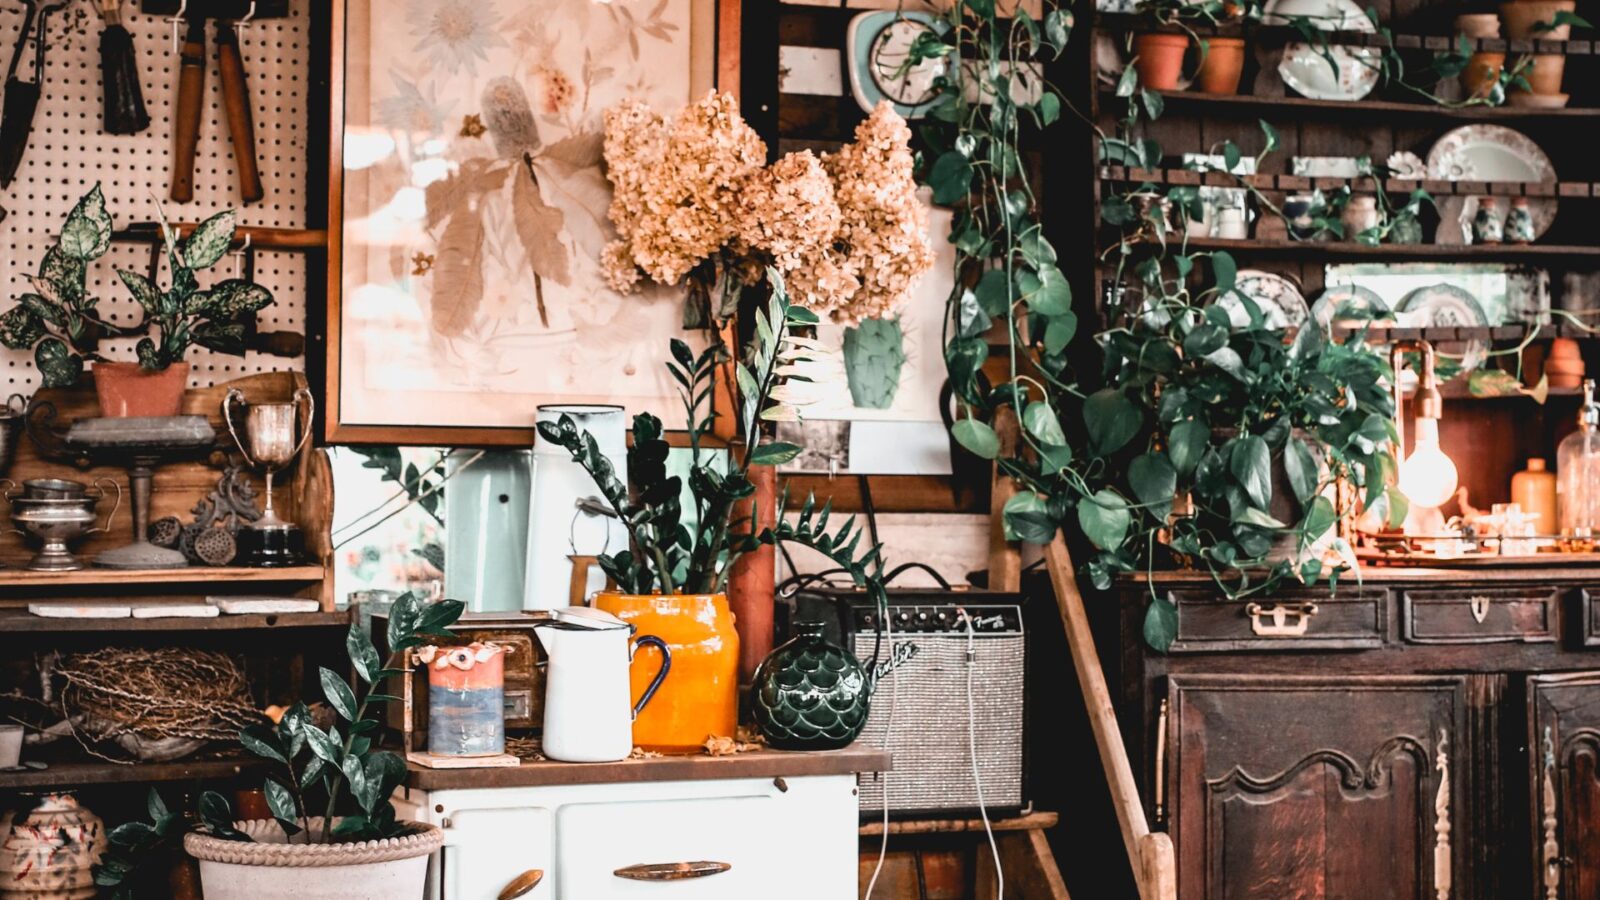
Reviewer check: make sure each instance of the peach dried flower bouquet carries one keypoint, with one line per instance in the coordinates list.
(694, 201)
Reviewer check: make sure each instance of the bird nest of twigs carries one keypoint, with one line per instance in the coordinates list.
(154, 704)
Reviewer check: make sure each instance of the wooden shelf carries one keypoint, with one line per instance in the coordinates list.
(189, 575)
(1281, 34)
(20, 621)
(1328, 251)
(1575, 190)
(1247, 106)
(755, 764)
(83, 774)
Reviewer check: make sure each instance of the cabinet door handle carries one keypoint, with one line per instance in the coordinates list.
(1552, 847)
(1280, 619)
(672, 871)
(521, 884)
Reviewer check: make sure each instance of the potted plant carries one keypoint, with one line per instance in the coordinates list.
(354, 847)
(671, 578)
(59, 320)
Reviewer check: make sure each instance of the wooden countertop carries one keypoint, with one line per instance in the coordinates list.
(754, 764)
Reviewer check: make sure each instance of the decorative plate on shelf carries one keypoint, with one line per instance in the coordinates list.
(879, 44)
(1279, 299)
(1350, 304)
(1325, 166)
(1447, 306)
(1488, 153)
(1407, 165)
(1335, 72)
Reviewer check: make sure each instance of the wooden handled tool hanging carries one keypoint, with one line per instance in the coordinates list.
(124, 111)
(236, 100)
(186, 122)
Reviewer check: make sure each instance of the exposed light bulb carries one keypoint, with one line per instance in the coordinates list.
(1428, 478)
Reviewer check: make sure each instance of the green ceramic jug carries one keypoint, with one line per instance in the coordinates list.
(810, 694)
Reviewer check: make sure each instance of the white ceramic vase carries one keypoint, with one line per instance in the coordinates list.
(556, 530)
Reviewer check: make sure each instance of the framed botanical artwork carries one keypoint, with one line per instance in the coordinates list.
(468, 208)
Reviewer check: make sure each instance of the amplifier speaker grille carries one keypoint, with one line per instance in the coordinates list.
(932, 760)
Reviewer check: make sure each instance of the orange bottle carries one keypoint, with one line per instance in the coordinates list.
(1534, 489)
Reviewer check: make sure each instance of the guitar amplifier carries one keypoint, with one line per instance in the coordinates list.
(922, 686)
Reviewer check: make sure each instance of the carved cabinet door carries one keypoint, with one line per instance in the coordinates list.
(1564, 748)
(1318, 788)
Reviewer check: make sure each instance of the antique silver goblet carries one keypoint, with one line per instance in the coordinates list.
(271, 441)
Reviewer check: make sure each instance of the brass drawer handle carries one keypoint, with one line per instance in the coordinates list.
(522, 884)
(672, 871)
(1286, 620)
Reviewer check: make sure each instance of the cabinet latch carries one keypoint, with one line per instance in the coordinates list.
(1280, 619)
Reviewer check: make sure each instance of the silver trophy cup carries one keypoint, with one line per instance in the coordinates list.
(270, 443)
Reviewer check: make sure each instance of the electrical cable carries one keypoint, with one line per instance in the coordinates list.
(972, 748)
(888, 733)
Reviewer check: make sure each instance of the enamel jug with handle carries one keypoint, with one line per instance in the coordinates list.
(588, 709)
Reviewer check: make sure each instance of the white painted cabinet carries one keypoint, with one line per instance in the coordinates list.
(780, 838)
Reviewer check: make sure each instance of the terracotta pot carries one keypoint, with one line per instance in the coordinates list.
(50, 852)
(1478, 25)
(1545, 75)
(753, 581)
(1220, 69)
(127, 390)
(1520, 18)
(1564, 365)
(388, 869)
(700, 697)
(1525, 100)
(1481, 73)
(1159, 59)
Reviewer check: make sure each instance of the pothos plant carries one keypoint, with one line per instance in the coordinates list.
(60, 319)
(674, 550)
(337, 766)
(1178, 450)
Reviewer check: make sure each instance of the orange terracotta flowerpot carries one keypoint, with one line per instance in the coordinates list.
(126, 390)
(1564, 366)
(1522, 16)
(1546, 73)
(700, 696)
(1481, 73)
(1159, 59)
(1223, 64)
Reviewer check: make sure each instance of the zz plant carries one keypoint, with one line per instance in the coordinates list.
(337, 767)
(673, 549)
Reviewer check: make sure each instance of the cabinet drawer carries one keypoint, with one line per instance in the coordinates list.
(1589, 600)
(1499, 615)
(1349, 620)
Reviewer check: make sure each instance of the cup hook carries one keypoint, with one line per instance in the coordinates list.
(175, 20)
(244, 249)
(244, 23)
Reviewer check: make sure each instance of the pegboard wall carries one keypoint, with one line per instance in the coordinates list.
(68, 152)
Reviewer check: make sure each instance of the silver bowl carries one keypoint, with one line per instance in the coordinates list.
(56, 522)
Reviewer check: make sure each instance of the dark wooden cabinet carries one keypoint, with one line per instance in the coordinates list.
(1426, 734)
(1275, 780)
(1564, 784)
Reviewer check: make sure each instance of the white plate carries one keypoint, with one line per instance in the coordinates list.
(1444, 306)
(1281, 303)
(1354, 72)
(1350, 303)
(1488, 153)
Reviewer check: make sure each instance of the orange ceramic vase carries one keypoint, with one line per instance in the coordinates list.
(700, 696)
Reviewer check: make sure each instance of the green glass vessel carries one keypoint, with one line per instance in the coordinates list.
(810, 694)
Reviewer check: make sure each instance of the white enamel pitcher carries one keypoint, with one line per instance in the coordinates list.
(588, 711)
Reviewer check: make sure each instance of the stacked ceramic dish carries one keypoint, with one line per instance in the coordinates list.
(1488, 153)
(56, 512)
(1329, 72)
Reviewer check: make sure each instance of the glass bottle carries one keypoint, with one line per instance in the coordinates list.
(1578, 476)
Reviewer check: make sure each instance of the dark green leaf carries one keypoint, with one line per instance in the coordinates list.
(1300, 464)
(20, 329)
(1320, 516)
(263, 742)
(436, 618)
(774, 453)
(1054, 295)
(143, 289)
(1112, 420)
(340, 697)
(87, 232)
(950, 178)
(993, 292)
(1251, 464)
(1187, 444)
(210, 240)
(1104, 518)
(58, 366)
(229, 300)
(1160, 624)
(217, 817)
(977, 437)
(322, 744)
(1225, 271)
(283, 807)
(1058, 334)
(1041, 421)
(1154, 482)
(155, 806)
(1025, 518)
(363, 655)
